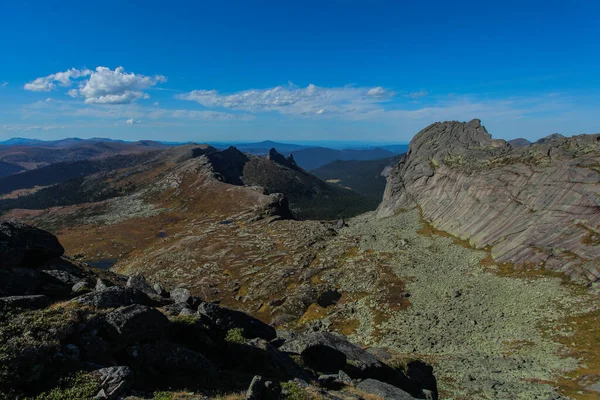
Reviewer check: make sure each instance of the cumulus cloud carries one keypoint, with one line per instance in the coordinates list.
(48, 83)
(117, 87)
(102, 86)
(132, 121)
(311, 100)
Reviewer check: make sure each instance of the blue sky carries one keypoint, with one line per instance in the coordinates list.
(296, 70)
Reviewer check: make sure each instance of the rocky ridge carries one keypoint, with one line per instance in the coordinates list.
(533, 206)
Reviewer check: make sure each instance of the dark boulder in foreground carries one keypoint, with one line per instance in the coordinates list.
(114, 296)
(25, 246)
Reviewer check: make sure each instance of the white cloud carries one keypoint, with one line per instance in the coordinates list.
(132, 121)
(48, 83)
(210, 115)
(104, 86)
(156, 104)
(49, 99)
(311, 100)
(29, 128)
(4, 84)
(379, 92)
(117, 87)
(417, 95)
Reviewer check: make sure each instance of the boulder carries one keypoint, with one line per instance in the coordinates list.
(175, 308)
(161, 365)
(422, 375)
(262, 389)
(114, 296)
(259, 357)
(138, 282)
(160, 290)
(22, 245)
(113, 381)
(383, 390)
(64, 277)
(135, 323)
(225, 319)
(101, 284)
(334, 381)
(81, 287)
(180, 295)
(25, 302)
(19, 281)
(330, 352)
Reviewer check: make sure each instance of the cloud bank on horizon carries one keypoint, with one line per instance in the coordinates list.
(103, 98)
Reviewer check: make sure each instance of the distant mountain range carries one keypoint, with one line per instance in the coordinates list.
(22, 153)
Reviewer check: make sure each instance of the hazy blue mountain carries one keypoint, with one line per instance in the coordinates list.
(362, 176)
(316, 157)
(396, 148)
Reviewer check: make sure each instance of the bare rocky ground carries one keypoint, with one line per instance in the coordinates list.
(488, 335)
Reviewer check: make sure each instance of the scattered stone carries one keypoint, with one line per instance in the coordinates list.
(262, 389)
(114, 381)
(187, 311)
(175, 308)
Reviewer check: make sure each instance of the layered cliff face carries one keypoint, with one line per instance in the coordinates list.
(534, 206)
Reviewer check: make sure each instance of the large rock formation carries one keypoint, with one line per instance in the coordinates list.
(535, 206)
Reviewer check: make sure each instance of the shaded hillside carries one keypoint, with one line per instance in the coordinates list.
(37, 155)
(9, 169)
(364, 177)
(63, 172)
(309, 197)
(316, 157)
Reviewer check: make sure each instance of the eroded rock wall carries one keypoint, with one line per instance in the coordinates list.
(537, 205)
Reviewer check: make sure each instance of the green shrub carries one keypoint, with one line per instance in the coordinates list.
(292, 391)
(163, 396)
(185, 319)
(236, 335)
(78, 387)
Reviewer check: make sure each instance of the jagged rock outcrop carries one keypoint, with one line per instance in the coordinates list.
(536, 206)
(122, 338)
(280, 159)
